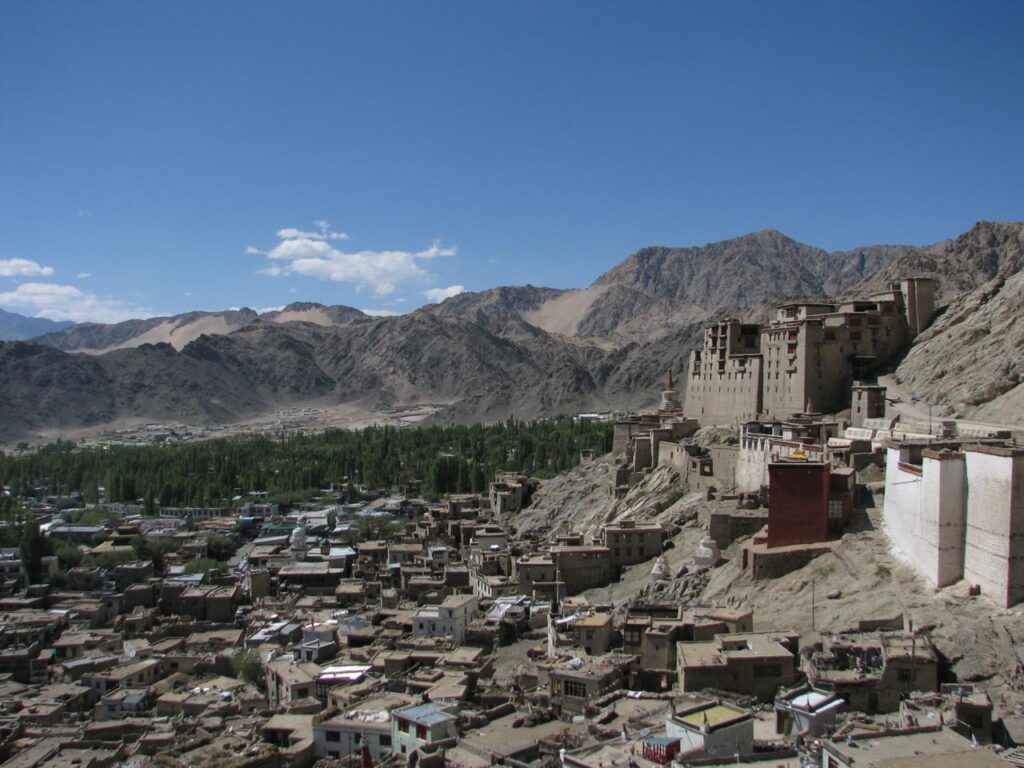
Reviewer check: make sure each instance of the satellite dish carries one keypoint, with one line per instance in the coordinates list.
(645, 732)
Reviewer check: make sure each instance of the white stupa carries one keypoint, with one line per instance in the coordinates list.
(707, 554)
(298, 543)
(660, 571)
(669, 398)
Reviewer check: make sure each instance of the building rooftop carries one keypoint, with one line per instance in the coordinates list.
(425, 714)
(711, 714)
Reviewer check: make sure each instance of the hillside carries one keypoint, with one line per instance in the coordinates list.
(988, 250)
(863, 575)
(177, 330)
(979, 339)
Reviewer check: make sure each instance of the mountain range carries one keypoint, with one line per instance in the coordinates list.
(519, 350)
(15, 327)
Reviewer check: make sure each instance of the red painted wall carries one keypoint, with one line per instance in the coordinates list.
(798, 494)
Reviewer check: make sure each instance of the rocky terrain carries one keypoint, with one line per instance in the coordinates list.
(523, 351)
(988, 250)
(971, 359)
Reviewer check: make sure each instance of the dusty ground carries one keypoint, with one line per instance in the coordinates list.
(311, 417)
(979, 642)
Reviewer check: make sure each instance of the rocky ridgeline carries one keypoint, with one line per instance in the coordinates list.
(523, 351)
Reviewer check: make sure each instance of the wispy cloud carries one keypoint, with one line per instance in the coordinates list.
(23, 268)
(380, 312)
(323, 232)
(312, 254)
(440, 294)
(84, 212)
(66, 302)
(83, 275)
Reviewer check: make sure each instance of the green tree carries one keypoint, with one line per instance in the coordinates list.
(246, 666)
(152, 549)
(69, 555)
(220, 547)
(33, 547)
(202, 565)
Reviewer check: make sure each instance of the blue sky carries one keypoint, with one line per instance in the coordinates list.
(157, 157)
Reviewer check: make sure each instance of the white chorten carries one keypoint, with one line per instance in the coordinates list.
(707, 553)
(299, 545)
(669, 397)
(660, 571)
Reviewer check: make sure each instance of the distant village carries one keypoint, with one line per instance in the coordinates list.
(396, 631)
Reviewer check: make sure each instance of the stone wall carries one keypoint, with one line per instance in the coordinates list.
(994, 547)
(925, 512)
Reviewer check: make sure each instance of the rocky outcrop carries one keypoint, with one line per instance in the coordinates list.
(971, 359)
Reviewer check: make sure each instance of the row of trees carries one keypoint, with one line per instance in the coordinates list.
(433, 460)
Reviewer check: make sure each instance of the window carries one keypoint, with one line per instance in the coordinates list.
(384, 739)
(403, 726)
(421, 732)
(574, 690)
(357, 738)
(333, 736)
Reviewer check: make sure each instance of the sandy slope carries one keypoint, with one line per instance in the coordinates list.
(563, 314)
(175, 334)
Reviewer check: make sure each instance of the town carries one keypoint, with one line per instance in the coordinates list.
(375, 627)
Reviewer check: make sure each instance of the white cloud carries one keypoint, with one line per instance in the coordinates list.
(23, 268)
(440, 294)
(380, 312)
(313, 255)
(83, 212)
(264, 310)
(66, 302)
(83, 275)
(324, 232)
(252, 250)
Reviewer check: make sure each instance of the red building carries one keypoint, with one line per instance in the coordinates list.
(798, 491)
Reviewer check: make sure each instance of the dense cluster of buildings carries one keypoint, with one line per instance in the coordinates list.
(325, 645)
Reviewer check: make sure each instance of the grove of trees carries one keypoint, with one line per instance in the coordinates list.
(428, 460)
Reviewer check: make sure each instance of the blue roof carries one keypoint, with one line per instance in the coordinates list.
(425, 714)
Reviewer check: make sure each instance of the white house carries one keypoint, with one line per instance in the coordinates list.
(347, 732)
(450, 618)
(712, 728)
(421, 725)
